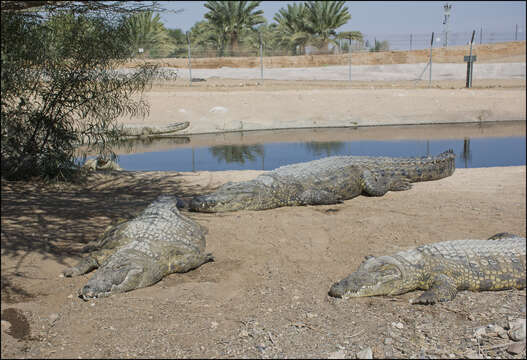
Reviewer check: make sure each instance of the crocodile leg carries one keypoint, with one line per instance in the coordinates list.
(442, 288)
(184, 263)
(85, 265)
(318, 197)
(377, 183)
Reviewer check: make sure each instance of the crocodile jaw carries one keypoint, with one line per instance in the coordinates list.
(375, 276)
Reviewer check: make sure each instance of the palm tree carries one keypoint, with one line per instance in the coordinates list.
(204, 37)
(292, 27)
(148, 32)
(324, 17)
(230, 18)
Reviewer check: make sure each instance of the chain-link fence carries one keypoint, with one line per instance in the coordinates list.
(383, 58)
(251, 46)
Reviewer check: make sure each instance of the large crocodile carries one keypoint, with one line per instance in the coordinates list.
(325, 181)
(140, 252)
(442, 269)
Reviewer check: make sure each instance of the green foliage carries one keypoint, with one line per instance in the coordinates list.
(145, 30)
(380, 46)
(229, 19)
(323, 18)
(292, 31)
(178, 40)
(205, 40)
(59, 90)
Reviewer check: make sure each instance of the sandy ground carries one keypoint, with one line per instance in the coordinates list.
(266, 293)
(220, 105)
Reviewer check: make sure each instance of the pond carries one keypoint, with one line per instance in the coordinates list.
(474, 146)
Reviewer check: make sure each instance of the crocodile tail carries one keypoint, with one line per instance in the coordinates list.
(430, 168)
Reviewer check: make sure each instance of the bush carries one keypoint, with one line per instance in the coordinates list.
(59, 90)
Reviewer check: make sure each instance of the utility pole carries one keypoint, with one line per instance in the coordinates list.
(447, 7)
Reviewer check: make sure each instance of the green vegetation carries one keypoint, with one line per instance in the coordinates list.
(230, 19)
(146, 31)
(58, 86)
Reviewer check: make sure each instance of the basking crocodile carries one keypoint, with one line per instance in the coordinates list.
(134, 132)
(140, 252)
(442, 269)
(325, 181)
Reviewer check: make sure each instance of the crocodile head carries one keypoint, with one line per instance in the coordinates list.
(230, 197)
(113, 278)
(376, 276)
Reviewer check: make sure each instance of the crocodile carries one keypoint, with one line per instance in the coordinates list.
(139, 252)
(325, 181)
(441, 269)
(134, 132)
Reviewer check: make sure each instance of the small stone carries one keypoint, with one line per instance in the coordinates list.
(53, 317)
(310, 315)
(244, 333)
(261, 347)
(398, 325)
(92, 304)
(365, 354)
(480, 331)
(70, 296)
(5, 325)
(517, 329)
(214, 324)
(496, 330)
(388, 341)
(337, 355)
(516, 348)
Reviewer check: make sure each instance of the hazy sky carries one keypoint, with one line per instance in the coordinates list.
(387, 17)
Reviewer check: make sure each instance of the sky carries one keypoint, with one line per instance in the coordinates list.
(388, 17)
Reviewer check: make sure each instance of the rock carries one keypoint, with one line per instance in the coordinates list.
(261, 347)
(244, 333)
(398, 325)
(218, 109)
(516, 348)
(366, 353)
(496, 330)
(517, 329)
(53, 317)
(480, 331)
(5, 325)
(337, 355)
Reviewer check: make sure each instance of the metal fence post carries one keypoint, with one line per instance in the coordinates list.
(410, 41)
(349, 51)
(189, 61)
(516, 33)
(261, 55)
(470, 62)
(481, 34)
(431, 45)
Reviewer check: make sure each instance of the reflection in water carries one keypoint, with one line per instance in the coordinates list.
(326, 148)
(470, 153)
(136, 145)
(466, 155)
(237, 153)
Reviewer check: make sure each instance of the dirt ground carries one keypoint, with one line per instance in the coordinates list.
(266, 293)
(220, 105)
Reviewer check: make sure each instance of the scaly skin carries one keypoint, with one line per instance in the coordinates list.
(442, 269)
(140, 252)
(325, 181)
